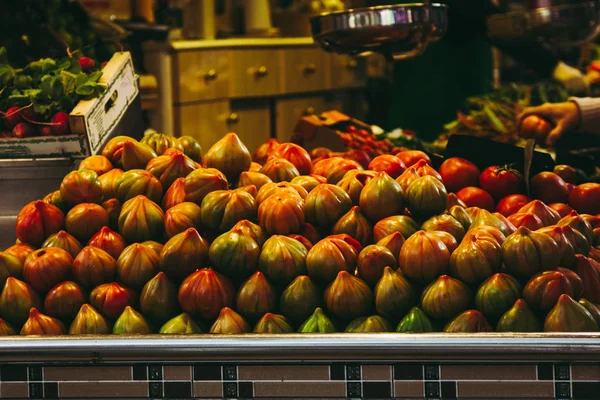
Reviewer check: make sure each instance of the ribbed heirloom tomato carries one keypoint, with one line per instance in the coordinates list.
(500, 181)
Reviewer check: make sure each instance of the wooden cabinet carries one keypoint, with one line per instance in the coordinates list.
(202, 75)
(255, 73)
(251, 120)
(304, 70)
(208, 122)
(346, 71)
(255, 87)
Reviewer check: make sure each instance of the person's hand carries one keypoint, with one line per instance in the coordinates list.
(571, 78)
(564, 116)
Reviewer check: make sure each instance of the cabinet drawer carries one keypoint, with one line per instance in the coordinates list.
(208, 122)
(205, 122)
(304, 70)
(251, 120)
(201, 75)
(347, 71)
(289, 111)
(255, 72)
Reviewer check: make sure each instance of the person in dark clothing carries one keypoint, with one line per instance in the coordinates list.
(431, 88)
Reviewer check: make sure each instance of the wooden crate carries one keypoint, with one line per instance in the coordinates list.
(92, 121)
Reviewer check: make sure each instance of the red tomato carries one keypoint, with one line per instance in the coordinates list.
(535, 127)
(511, 204)
(500, 181)
(561, 208)
(549, 188)
(410, 157)
(585, 198)
(388, 163)
(458, 173)
(568, 173)
(476, 197)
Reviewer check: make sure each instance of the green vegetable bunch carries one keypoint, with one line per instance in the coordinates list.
(48, 85)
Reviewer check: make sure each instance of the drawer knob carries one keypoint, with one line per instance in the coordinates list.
(211, 75)
(310, 110)
(261, 71)
(233, 118)
(352, 64)
(310, 68)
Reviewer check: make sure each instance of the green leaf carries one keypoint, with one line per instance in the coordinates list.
(69, 81)
(94, 76)
(63, 64)
(57, 88)
(67, 103)
(3, 55)
(46, 85)
(74, 66)
(48, 65)
(81, 79)
(86, 89)
(23, 81)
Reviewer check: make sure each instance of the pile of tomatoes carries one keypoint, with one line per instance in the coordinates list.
(502, 188)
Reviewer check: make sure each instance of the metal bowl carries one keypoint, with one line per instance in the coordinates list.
(400, 31)
(562, 25)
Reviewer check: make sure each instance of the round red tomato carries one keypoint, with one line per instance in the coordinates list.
(500, 181)
(476, 197)
(511, 204)
(585, 198)
(388, 163)
(410, 157)
(561, 208)
(535, 127)
(458, 173)
(568, 173)
(549, 188)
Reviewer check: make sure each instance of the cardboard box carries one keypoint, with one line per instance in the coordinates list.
(91, 121)
(314, 131)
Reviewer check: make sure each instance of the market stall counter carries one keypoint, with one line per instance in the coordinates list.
(402, 366)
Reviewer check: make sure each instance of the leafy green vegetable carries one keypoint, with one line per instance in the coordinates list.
(49, 85)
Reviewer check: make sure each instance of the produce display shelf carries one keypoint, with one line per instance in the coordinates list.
(388, 365)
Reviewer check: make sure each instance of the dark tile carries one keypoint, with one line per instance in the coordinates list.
(408, 372)
(207, 372)
(353, 389)
(377, 390)
(337, 372)
(353, 372)
(13, 373)
(36, 391)
(246, 390)
(432, 372)
(586, 390)
(449, 390)
(230, 390)
(562, 390)
(545, 371)
(562, 372)
(432, 390)
(140, 373)
(155, 390)
(178, 390)
(51, 390)
(155, 372)
(35, 374)
(230, 372)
